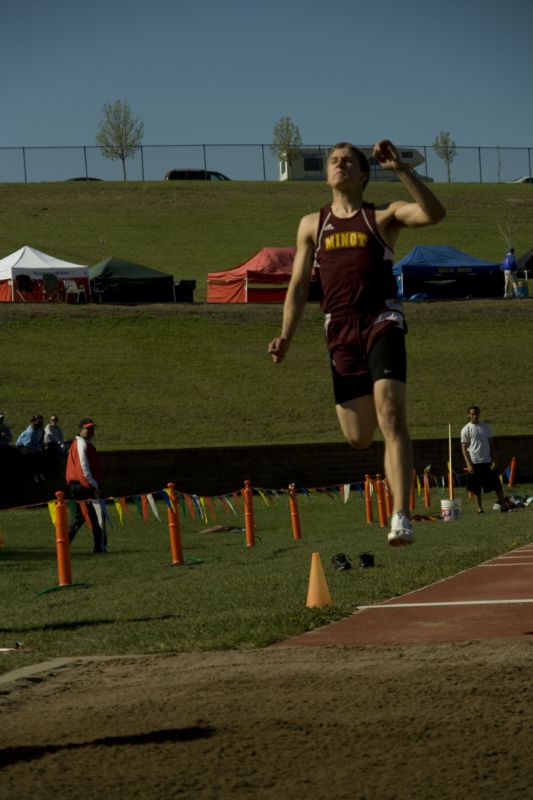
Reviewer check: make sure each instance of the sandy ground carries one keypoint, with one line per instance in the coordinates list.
(439, 721)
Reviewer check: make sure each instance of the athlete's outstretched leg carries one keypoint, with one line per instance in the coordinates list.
(390, 404)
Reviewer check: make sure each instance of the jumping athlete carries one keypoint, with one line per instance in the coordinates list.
(350, 243)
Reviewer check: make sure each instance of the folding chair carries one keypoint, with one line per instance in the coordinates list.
(51, 287)
(22, 286)
(73, 290)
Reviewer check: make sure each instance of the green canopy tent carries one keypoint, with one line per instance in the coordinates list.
(117, 281)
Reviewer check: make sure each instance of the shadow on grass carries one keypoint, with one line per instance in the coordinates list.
(14, 755)
(85, 623)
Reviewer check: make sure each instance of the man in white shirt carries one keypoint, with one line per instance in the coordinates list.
(480, 459)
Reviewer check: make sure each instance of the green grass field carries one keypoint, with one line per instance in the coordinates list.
(190, 229)
(199, 375)
(228, 595)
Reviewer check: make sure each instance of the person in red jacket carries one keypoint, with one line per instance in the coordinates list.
(83, 477)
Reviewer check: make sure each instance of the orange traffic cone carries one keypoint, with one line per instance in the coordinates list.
(318, 593)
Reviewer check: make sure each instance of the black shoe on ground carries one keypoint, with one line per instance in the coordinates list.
(340, 561)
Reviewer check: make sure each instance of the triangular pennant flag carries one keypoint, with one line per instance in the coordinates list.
(151, 503)
(98, 511)
(166, 497)
(118, 509)
(105, 512)
(237, 497)
(346, 491)
(190, 506)
(83, 507)
(203, 511)
(144, 507)
(228, 503)
(263, 497)
(225, 505)
(138, 504)
(52, 511)
(211, 507)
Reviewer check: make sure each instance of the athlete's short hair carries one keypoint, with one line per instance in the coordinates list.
(362, 160)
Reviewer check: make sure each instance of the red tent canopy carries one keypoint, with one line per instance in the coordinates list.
(262, 279)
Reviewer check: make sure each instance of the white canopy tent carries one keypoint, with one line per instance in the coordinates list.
(31, 276)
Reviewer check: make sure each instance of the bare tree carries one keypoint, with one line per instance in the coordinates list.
(445, 148)
(286, 141)
(507, 231)
(120, 133)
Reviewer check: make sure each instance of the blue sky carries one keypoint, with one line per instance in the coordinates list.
(224, 71)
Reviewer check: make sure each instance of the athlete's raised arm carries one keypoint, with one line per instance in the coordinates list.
(298, 290)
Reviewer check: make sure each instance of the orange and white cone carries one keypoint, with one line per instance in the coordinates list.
(318, 595)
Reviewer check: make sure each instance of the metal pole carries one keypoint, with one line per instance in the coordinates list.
(85, 160)
(529, 160)
(205, 160)
(479, 160)
(263, 155)
(24, 163)
(142, 162)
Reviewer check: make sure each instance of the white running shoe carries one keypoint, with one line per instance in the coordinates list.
(401, 531)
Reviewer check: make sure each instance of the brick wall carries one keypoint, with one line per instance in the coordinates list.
(212, 471)
(220, 470)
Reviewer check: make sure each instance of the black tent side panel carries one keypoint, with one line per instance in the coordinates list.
(118, 281)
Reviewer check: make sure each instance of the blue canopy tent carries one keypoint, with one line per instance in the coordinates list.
(442, 271)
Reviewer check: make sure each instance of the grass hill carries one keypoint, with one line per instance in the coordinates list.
(190, 229)
(199, 375)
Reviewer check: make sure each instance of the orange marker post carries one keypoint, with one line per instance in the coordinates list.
(62, 544)
(381, 501)
(427, 495)
(295, 514)
(174, 528)
(512, 473)
(249, 524)
(368, 499)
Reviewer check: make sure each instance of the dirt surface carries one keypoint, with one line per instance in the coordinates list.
(420, 721)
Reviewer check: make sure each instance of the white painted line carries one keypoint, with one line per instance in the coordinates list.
(450, 603)
(507, 564)
(516, 555)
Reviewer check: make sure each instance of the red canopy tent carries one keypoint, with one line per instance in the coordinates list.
(262, 279)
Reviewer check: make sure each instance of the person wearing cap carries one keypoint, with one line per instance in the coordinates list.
(53, 436)
(508, 267)
(83, 476)
(5, 432)
(30, 445)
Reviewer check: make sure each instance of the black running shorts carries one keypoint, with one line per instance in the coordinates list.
(386, 360)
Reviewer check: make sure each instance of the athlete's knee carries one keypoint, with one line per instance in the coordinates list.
(360, 441)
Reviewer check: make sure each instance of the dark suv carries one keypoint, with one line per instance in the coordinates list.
(195, 175)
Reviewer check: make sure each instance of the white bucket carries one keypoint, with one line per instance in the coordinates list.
(450, 510)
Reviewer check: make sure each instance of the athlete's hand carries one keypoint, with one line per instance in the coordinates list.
(387, 155)
(278, 349)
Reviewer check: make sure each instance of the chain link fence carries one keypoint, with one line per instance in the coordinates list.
(253, 162)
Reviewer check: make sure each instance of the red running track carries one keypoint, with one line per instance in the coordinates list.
(491, 601)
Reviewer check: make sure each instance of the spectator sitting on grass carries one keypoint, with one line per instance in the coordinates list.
(30, 446)
(53, 436)
(6, 436)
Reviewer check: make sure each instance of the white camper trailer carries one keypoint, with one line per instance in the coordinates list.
(309, 164)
